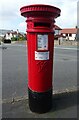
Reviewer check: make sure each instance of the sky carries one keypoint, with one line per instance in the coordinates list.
(11, 19)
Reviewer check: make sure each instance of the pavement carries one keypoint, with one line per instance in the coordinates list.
(64, 106)
(14, 83)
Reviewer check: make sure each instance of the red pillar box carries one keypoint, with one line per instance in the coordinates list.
(40, 43)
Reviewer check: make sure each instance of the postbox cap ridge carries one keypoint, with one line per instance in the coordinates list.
(39, 6)
(40, 10)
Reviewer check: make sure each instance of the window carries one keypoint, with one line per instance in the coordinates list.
(70, 35)
(66, 34)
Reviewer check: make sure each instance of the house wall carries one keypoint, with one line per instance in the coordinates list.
(14, 35)
(64, 35)
(72, 37)
(8, 36)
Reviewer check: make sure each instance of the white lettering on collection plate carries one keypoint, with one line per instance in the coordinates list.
(41, 55)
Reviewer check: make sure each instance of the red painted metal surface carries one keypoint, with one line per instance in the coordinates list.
(40, 10)
(39, 71)
(40, 21)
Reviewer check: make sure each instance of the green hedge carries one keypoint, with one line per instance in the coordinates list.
(18, 38)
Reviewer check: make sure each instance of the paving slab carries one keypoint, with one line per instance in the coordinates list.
(64, 106)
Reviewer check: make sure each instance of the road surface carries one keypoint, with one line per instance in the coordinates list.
(14, 82)
(14, 70)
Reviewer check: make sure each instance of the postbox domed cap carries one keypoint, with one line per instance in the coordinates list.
(40, 10)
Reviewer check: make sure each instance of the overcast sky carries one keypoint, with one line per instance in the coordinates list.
(11, 19)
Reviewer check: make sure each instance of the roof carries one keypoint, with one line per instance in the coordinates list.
(13, 32)
(57, 28)
(69, 30)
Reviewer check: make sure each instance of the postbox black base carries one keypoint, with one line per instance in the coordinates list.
(40, 102)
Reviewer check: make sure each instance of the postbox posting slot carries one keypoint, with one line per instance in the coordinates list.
(42, 24)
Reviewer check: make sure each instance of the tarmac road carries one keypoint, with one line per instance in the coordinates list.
(14, 70)
(14, 83)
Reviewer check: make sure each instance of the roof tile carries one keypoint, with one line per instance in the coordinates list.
(69, 30)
